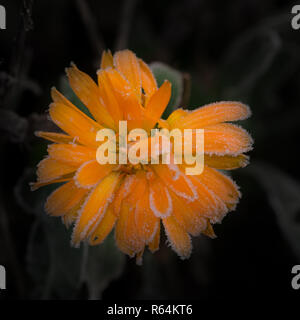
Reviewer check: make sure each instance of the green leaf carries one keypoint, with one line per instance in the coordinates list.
(163, 72)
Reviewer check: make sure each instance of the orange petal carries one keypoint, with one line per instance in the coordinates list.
(187, 218)
(157, 105)
(72, 154)
(125, 189)
(212, 114)
(74, 122)
(207, 204)
(176, 116)
(87, 91)
(176, 181)
(209, 231)
(54, 137)
(126, 233)
(179, 239)
(90, 173)
(159, 198)
(49, 169)
(147, 223)
(104, 228)
(70, 217)
(108, 97)
(127, 99)
(154, 244)
(226, 162)
(36, 185)
(94, 208)
(220, 185)
(127, 63)
(148, 80)
(107, 59)
(226, 139)
(64, 199)
(60, 98)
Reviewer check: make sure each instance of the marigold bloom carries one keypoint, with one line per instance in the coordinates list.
(134, 199)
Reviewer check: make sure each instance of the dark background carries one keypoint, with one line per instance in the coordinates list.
(232, 50)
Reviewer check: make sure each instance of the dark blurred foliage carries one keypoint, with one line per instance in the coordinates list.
(236, 50)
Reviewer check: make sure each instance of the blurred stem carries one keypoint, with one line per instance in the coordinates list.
(124, 27)
(21, 58)
(89, 21)
(10, 248)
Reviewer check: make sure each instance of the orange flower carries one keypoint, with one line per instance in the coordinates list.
(134, 199)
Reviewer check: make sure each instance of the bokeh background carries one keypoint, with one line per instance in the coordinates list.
(215, 50)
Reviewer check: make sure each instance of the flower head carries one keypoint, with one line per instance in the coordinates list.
(135, 198)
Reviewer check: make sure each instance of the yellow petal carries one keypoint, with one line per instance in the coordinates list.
(87, 91)
(212, 114)
(72, 154)
(90, 173)
(74, 122)
(104, 228)
(64, 199)
(107, 59)
(95, 207)
(179, 239)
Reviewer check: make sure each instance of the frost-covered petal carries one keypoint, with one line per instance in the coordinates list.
(87, 91)
(178, 238)
(104, 227)
(127, 63)
(74, 122)
(159, 198)
(212, 114)
(64, 198)
(91, 172)
(95, 207)
(71, 154)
